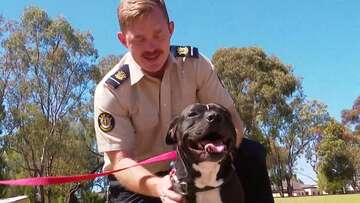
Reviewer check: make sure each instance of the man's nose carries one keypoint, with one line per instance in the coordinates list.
(151, 46)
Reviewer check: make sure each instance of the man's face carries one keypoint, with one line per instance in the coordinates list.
(148, 40)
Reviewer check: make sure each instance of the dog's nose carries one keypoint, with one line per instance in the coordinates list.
(213, 117)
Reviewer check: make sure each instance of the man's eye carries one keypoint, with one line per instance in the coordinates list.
(138, 40)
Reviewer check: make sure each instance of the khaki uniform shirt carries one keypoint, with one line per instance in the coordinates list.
(142, 106)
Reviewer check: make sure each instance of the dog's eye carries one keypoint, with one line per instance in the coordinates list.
(192, 114)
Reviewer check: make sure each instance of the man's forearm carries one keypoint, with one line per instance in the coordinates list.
(137, 179)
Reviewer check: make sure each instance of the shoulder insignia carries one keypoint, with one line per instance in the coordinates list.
(106, 122)
(184, 51)
(119, 76)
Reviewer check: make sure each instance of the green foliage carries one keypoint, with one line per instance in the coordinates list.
(3, 74)
(334, 176)
(297, 132)
(105, 64)
(276, 162)
(332, 143)
(3, 173)
(10, 158)
(337, 172)
(91, 197)
(4, 28)
(2, 116)
(271, 103)
(352, 116)
(354, 152)
(259, 84)
(335, 167)
(48, 127)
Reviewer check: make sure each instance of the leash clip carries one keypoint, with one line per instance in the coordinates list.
(183, 188)
(180, 187)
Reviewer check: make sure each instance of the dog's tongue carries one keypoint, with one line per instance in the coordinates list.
(211, 148)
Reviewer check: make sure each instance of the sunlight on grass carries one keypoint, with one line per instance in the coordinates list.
(321, 199)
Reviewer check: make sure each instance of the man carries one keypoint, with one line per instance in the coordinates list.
(136, 100)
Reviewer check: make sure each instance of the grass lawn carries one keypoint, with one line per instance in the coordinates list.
(355, 198)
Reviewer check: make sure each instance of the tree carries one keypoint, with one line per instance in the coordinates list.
(353, 153)
(3, 172)
(309, 121)
(105, 65)
(258, 84)
(335, 167)
(299, 134)
(277, 169)
(50, 67)
(351, 118)
(335, 174)
(5, 27)
(271, 103)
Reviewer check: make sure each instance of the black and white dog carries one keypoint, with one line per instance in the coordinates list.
(203, 172)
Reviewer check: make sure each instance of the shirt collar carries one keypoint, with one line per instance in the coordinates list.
(136, 72)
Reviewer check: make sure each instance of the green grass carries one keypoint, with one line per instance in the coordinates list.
(321, 199)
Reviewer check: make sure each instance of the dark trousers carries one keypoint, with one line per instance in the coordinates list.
(250, 164)
(118, 194)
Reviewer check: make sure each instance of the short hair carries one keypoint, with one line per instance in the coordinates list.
(129, 10)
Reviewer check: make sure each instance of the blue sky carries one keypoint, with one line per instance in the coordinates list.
(320, 39)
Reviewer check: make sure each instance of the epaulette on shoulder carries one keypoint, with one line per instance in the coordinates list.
(184, 51)
(119, 76)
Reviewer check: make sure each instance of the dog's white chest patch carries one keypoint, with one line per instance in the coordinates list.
(210, 196)
(208, 171)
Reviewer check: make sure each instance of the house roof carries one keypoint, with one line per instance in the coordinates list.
(297, 186)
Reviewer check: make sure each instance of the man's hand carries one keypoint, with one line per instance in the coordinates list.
(167, 195)
(140, 180)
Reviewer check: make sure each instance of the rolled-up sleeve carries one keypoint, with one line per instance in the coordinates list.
(119, 132)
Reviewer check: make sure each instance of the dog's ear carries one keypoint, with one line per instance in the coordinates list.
(171, 133)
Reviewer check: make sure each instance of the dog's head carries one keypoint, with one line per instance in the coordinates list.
(204, 132)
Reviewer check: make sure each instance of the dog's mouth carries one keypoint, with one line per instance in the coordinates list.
(212, 143)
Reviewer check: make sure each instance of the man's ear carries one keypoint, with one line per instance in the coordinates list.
(171, 133)
(122, 38)
(171, 27)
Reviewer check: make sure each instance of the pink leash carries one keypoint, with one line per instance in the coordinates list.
(49, 180)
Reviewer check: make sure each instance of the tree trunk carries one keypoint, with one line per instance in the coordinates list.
(40, 194)
(281, 189)
(72, 197)
(355, 185)
(49, 195)
(280, 184)
(289, 186)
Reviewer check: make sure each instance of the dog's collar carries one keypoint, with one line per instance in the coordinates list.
(179, 186)
(184, 187)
